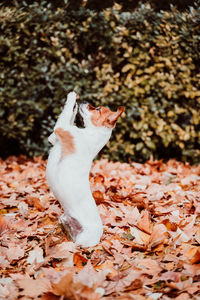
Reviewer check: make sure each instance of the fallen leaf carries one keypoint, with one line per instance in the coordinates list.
(79, 260)
(35, 256)
(159, 235)
(144, 223)
(109, 269)
(3, 224)
(33, 287)
(72, 290)
(14, 252)
(98, 196)
(89, 276)
(193, 255)
(149, 248)
(37, 204)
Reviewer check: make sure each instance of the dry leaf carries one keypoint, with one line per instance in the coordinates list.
(193, 255)
(144, 223)
(149, 249)
(33, 287)
(159, 235)
(35, 256)
(14, 252)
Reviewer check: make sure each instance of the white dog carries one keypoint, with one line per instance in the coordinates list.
(69, 166)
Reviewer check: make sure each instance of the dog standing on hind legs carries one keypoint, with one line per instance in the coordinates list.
(69, 165)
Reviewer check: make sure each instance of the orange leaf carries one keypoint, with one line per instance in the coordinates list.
(171, 226)
(159, 235)
(98, 196)
(109, 267)
(37, 204)
(68, 289)
(144, 223)
(49, 296)
(79, 260)
(140, 237)
(33, 287)
(99, 179)
(3, 224)
(193, 255)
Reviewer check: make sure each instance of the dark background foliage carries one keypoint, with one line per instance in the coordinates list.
(145, 59)
(99, 5)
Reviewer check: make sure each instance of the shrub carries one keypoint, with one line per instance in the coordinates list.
(148, 61)
(99, 5)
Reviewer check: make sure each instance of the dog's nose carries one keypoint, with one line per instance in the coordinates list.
(84, 102)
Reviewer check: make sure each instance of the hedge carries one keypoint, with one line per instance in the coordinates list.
(99, 5)
(145, 60)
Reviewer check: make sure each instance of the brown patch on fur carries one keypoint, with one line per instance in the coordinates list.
(71, 226)
(67, 141)
(103, 116)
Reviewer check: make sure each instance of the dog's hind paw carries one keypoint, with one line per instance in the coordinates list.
(70, 225)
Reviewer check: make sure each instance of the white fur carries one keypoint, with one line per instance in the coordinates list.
(68, 177)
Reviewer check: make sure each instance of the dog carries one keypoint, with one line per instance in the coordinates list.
(69, 165)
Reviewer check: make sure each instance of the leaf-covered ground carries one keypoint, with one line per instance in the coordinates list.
(149, 250)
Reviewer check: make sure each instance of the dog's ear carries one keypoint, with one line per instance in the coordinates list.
(112, 119)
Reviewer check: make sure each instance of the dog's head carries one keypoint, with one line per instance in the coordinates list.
(100, 116)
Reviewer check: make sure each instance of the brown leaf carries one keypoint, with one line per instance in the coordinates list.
(79, 260)
(183, 296)
(3, 224)
(139, 236)
(144, 223)
(33, 287)
(193, 255)
(184, 285)
(49, 296)
(149, 249)
(62, 250)
(108, 266)
(132, 281)
(73, 290)
(14, 252)
(89, 276)
(98, 196)
(159, 235)
(35, 256)
(65, 287)
(37, 204)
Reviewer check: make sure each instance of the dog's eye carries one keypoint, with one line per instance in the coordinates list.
(91, 107)
(98, 108)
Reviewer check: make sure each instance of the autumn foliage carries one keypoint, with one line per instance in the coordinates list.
(149, 250)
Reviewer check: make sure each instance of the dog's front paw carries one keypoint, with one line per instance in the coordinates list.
(71, 99)
(75, 110)
(52, 139)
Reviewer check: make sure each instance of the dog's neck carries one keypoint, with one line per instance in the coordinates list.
(96, 138)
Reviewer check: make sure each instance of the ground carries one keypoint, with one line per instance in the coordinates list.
(149, 250)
